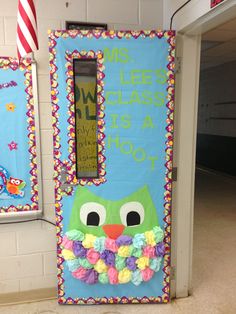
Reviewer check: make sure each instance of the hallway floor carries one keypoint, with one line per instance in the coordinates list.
(214, 262)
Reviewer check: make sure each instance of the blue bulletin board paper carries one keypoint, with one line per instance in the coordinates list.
(18, 178)
(135, 82)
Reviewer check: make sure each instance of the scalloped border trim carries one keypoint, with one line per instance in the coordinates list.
(71, 178)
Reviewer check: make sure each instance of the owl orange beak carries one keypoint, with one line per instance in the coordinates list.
(113, 231)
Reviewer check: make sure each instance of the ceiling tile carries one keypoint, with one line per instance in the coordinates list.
(219, 45)
(219, 35)
(231, 25)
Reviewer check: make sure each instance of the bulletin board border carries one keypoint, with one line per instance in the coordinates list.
(24, 65)
(170, 37)
(71, 169)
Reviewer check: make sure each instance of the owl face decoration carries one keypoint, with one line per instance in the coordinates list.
(113, 242)
(15, 182)
(102, 217)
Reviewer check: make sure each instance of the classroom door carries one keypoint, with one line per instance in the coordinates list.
(113, 101)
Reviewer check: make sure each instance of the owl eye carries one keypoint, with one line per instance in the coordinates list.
(13, 181)
(17, 182)
(92, 214)
(132, 214)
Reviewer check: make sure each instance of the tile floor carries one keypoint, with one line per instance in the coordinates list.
(214, 263)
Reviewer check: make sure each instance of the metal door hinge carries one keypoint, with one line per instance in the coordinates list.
(178, 63)
(172, 273)
(174, 174)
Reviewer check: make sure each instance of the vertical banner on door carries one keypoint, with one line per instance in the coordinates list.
(18, 169)
(113, 228)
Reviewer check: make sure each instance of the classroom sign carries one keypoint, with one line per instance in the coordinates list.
(18, 169)
(112, 104)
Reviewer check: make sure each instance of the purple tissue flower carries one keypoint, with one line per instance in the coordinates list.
(108, 257)
(160, 249)
(124, 240)
(90, 277)
(78, 249)
(130, 263)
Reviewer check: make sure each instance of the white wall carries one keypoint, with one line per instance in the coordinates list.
(217, 85)
(27, 251)
(169, 7)
(189, 14)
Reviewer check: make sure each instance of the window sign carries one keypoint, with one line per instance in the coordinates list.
(85, 87)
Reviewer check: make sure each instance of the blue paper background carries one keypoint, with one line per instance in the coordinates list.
(13, 127)
(124, 175)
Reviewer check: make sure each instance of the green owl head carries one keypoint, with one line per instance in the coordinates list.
(130, 215)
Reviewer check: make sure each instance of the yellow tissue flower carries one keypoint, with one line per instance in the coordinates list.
(123, 251)
(88, 241)
(100, 266)
(68, 254)
(150, 238)
(124, 275)
(142, 262)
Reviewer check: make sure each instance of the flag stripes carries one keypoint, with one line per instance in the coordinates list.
(27, 40)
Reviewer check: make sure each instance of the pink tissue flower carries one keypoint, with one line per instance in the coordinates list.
(67, 244)
(113, 276)
(147, 274)
(110, 244)
(92, 256)
(149, 251)
(79, 273)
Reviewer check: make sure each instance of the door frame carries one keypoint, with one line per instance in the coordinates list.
(187, 88)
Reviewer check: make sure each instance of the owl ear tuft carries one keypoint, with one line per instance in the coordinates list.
(144, 190)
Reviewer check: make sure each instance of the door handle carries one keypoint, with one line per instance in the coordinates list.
(65, 186)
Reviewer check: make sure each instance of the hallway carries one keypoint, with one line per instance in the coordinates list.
(214, 262)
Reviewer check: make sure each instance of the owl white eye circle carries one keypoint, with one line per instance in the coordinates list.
(13, 181)
(132, 214)
(92, 214)
(17, 182)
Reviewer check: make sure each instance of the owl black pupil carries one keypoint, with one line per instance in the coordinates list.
(93, 219)
(133, 219)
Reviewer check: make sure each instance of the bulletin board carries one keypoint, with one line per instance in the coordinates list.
(114, 229)
(18, 168)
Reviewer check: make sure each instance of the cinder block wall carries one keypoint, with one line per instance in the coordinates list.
(28, 250)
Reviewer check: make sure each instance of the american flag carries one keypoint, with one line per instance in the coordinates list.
(27, 40)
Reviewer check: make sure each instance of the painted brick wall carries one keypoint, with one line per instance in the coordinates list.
(28, 251)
